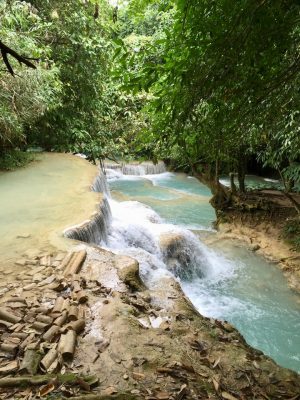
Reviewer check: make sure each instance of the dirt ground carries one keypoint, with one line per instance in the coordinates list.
(136, 344)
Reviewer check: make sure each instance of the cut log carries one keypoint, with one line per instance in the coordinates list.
(48, 359)
(39, 326)
(9, 316)
(73, 313)
(27, 341)
(81, 297)
(66, 345)
(66, 305)
(76, 286)
(59, 302)
(77, 326)
(51, 333)
(46, 319)
(5, 324)
(61, 320)
(31, 361)
(75, 263)
(10, 348)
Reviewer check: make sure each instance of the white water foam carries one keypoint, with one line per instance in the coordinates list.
(136, 230)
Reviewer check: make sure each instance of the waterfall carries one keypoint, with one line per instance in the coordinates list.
(100, 184)
(96, 229)
(143, 168)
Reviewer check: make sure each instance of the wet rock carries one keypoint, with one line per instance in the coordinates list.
(255, 247)
(128, 271)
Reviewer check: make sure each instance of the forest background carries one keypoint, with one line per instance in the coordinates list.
(209, 86)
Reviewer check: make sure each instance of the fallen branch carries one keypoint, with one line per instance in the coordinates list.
(117, 396)
(26, 381)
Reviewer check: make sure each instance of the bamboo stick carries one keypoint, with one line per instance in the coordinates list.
(51, 333)
(48, 359)
(61, 320)
(66, 345)
(30, 363)
(73, 313)
(77, 326)
(8, 316)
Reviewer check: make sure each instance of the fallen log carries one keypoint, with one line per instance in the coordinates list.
(48, 359)
(30, 380)
(51, 333)
(8, 316)
(75, 263)
(66, 345)
(31, 361)
(99, 396)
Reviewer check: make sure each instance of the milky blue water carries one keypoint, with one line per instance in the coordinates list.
(243, 289)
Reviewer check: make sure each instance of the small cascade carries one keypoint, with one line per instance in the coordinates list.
(94, 230)
(161, 249)
(100, 184)
(138, 169)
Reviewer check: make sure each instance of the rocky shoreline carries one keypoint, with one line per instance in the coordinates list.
(136, 344)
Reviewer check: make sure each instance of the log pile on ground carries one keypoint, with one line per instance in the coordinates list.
(41, 321)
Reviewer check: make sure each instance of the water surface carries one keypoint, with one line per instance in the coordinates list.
(236, 284)
(39, 201)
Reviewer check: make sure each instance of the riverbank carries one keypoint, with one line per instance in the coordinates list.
(129, 340)
(137, 343)
(261, 220)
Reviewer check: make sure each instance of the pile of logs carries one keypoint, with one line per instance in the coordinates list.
(42, 337)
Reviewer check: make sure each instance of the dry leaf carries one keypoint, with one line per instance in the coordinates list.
(10, 367)
(137, 376)
(228, 396)
(109, 391)
(216, 384)
(46, 389)
(216, 362)
(162, 395)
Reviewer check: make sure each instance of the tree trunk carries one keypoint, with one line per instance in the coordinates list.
(242, 162)
(232, 184)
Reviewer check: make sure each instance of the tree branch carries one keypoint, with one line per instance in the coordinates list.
(5, 50)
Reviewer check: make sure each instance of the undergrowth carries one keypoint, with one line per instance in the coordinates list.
(291, 232)
(15, 159)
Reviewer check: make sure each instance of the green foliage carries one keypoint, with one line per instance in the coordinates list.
(223, 77)
(15, 159)
(32, 92)
(291, 232)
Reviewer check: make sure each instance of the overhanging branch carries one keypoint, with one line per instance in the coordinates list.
(5, 51)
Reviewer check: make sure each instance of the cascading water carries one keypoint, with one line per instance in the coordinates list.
(138, 169)
(95, 230)
(227, 282)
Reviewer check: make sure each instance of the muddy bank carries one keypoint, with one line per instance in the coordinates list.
(136, 343)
